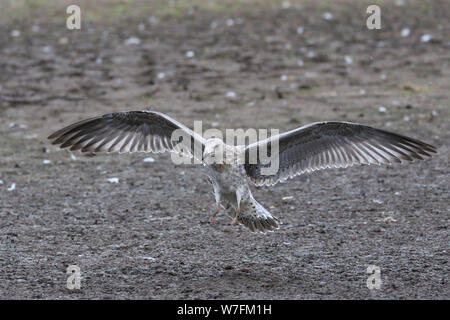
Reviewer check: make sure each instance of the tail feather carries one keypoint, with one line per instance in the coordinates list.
(255, 217)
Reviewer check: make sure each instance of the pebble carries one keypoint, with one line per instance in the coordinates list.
(348, 60)
(425, 38)
(405, 32)
(230, 22)
(327, 16)
(132, 41)
(149, 159)
(231, 94)
(113, 180)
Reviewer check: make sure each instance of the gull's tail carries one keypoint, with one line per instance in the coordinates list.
(255, 217)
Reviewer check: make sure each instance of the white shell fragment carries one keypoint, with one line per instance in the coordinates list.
(405, 32)
(132, 41)
(231, 94)
(382, 109)
(113, 180)
(327, 16)
(425, 38)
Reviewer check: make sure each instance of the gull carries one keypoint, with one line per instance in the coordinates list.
(316, 146)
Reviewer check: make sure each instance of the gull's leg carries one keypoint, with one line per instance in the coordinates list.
(235, 219)
(238, 209)
(212, 219)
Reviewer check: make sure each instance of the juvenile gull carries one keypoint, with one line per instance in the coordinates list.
(316, 146)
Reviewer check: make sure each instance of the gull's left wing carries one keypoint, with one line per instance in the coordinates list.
(324, 145)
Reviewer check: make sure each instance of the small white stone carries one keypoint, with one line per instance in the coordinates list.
(286, 5)
(46, 161)
(425, 38)
(149, 258)
(399, 3)
(287, 198)
(383, 76)
(406, 118)
(283, 77)
(214, 124)
(348, 60)
(113, 180)
(405, 32)
(190, 54)
(73, 157)
(377, 201)
(327, 16)
(230, 22)
(132, 41)
(213, 25)
(310, 54)
(300, 62)
(382, 109)
(99, 60)
(434, 113)
(362, 92)
(17, 125)
(250, 104)
(12, 187)
(46, 49)
(231, 94)
(397, 193)
(141, 27)
(1, 181)
(300, 30)
(153, 20)
(15, 33)
(149, 159)
(161, 75)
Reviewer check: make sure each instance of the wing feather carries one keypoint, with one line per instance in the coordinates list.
(325, 145)
(132, 131)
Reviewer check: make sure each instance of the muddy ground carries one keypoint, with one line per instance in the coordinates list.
(147, 237)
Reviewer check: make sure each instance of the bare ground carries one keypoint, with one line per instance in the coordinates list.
(147, 237)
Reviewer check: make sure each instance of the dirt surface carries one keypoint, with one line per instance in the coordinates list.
(147, 237)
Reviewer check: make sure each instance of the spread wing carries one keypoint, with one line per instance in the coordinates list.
(324, 145)
(132, 131)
